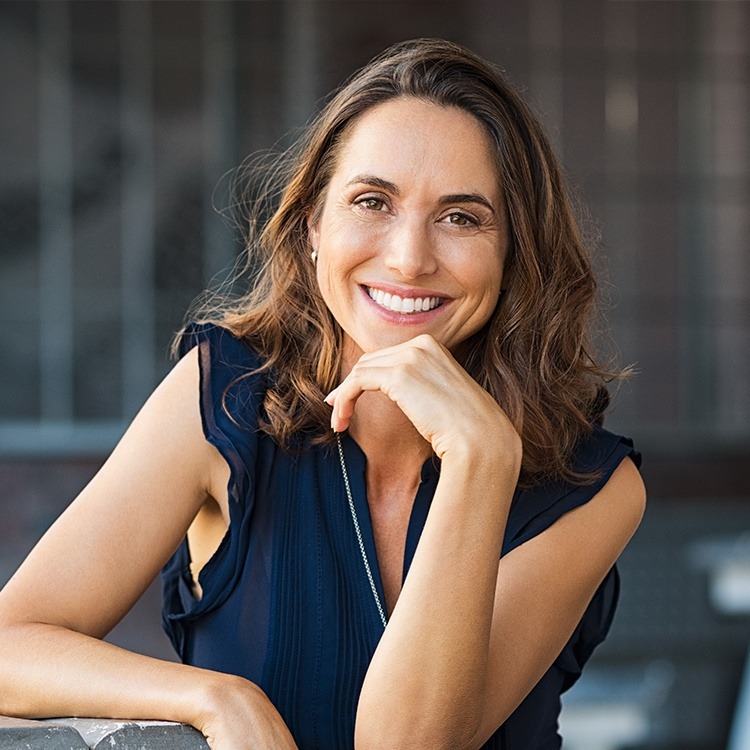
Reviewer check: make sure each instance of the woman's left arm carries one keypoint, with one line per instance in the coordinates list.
(472, 632)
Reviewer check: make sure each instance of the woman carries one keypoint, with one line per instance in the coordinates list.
(408, 388)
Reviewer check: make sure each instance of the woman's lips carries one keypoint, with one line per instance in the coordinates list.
(403, 304)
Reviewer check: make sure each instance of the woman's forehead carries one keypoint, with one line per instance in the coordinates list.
(408, 140)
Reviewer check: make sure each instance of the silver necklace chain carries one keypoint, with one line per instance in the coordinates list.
(358, 532)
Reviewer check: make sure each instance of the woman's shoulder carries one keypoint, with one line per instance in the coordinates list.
(233, 384)
(218, 344)
(596, 456)
(601, 450)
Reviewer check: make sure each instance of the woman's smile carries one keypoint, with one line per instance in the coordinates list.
(413, 303)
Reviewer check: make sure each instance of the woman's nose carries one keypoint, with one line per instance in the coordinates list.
(411, 250)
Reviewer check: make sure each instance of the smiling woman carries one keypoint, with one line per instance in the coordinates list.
(378, 486)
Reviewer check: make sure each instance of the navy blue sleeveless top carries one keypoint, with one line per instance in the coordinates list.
(286, 602)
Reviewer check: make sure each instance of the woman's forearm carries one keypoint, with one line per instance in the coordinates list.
(427, 677)
(47, 671)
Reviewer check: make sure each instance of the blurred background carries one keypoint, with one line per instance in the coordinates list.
(119, 123)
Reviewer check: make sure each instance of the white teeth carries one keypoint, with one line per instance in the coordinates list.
(404, 305)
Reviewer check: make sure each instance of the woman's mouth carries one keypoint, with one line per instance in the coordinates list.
(405, 305)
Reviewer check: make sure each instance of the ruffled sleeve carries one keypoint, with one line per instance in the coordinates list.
(536, 509)
(230, 405)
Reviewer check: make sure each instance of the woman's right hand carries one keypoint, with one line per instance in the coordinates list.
(237, 715)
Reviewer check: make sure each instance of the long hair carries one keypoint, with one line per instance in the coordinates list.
(533, 355)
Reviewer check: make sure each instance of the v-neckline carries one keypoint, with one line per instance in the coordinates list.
(356, 464)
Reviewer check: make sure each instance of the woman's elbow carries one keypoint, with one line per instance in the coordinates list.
(378, 729)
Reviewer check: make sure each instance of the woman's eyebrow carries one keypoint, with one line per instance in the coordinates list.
(378, 182)
(467, 198)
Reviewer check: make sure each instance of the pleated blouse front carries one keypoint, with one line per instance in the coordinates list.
(286, 601)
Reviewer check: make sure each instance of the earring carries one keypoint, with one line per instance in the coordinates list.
(314, 256)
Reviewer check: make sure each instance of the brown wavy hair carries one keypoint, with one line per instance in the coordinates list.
(533, 355)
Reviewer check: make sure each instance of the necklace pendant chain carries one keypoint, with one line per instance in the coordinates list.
(358, 532)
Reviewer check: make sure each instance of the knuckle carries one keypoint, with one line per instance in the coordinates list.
(427, 341)
(412, 357)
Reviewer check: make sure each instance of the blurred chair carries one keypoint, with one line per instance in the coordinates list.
(726, 559)
(739, 737)
(615, 709)
(681, 575)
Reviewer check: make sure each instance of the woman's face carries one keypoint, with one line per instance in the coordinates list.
(412, 234)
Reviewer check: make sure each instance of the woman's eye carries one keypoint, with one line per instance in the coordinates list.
(372, 204)
(461, 220)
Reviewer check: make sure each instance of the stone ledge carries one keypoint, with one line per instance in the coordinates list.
(97, 734)
(38, 735)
